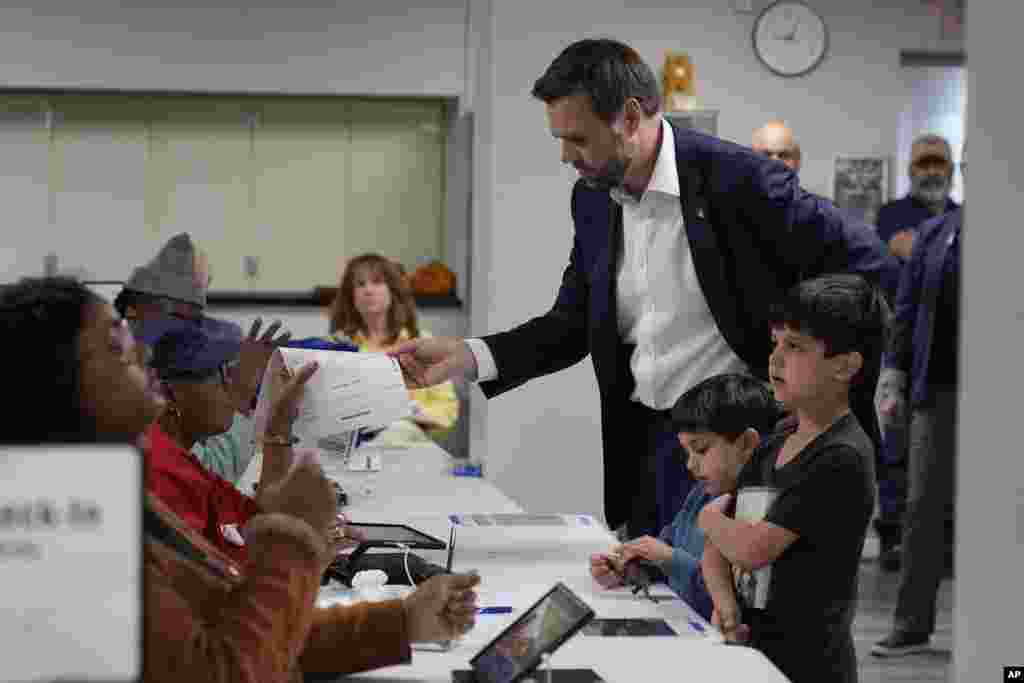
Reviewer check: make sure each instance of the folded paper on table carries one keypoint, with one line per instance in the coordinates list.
(525, 520)
(752, 587)
(348, 392)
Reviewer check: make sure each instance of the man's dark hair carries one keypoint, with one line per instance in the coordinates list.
(607, 71)
(40, 319)
(728, 405)
(845, 312)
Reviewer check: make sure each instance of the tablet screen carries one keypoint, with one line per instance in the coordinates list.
(396, 533)
(543, 628)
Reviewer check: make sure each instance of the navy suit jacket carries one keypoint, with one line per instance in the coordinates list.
(910, 341)
(753, 233)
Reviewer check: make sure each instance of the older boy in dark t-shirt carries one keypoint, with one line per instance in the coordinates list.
(825, 496)
(784, 568)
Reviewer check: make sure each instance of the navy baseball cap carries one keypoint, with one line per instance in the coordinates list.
(189, 348)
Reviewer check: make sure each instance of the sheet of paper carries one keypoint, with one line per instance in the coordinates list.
(525, 520)
(348, 392)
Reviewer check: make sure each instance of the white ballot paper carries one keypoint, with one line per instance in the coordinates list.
(71, 560)
(348, 392)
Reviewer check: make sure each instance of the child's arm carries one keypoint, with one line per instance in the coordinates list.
(718, 579)
(748, 545)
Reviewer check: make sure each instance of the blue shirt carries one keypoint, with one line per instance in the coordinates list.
(687, 541)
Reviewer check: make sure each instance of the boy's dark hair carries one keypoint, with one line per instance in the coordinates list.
(607, 71)
(40, 319)
(845, 312)
(727, 404)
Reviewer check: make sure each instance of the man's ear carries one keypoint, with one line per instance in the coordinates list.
(750, 439)
(632, 117)
(849, 364)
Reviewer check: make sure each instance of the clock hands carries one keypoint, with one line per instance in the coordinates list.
(789, 35)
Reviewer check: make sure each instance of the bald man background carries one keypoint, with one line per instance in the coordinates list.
(775, 139)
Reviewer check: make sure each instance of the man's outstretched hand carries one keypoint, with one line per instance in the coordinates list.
(432, 360)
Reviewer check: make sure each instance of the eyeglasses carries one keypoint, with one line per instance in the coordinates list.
(781, 155)
(223, 373)
(227, 371)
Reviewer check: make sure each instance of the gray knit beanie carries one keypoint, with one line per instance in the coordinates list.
(172, 273)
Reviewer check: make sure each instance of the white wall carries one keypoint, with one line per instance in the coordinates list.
(990, 474)
(549, 431)
(384, 47)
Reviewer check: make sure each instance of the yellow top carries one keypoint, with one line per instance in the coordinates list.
(439, 402)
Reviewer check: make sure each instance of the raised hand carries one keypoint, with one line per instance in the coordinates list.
(306, 493)
(284, 408)
(252, 361)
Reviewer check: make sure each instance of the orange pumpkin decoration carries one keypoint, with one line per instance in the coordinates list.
(433, 279)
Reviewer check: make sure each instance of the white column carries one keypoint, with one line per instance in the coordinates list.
(990, 496)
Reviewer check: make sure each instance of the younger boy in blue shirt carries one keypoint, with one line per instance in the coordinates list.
(795, 566)
(719, 423)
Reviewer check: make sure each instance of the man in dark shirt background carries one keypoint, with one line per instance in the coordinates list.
(931, 179)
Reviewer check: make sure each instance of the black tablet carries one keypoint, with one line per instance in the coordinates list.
(542, 629)
(388, 535)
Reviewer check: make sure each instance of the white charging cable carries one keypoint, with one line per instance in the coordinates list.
(405, 562)
(545, 660)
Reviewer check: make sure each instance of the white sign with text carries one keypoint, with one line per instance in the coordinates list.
(70, 558)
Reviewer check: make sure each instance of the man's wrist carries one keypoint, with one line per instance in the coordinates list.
(484, 367)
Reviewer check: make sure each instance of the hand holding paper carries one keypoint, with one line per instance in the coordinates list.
(430, 361)
(349, 391)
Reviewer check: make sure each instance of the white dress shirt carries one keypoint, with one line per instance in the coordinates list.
(661, 308)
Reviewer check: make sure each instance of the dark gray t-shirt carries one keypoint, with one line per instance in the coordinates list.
(826, 496)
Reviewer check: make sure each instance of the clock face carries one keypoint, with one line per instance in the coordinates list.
(790, 38)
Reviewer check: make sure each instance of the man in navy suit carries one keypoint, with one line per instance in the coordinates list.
(682, 243)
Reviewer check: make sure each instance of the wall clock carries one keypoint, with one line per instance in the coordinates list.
(790, 38)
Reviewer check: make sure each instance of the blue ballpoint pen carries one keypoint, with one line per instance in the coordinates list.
(495, 610)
